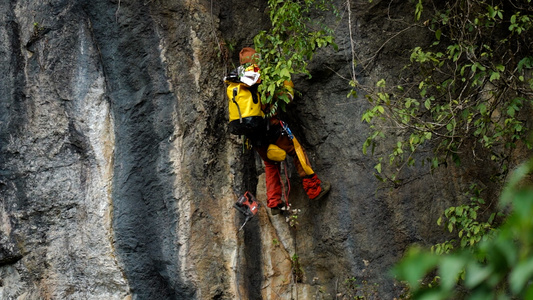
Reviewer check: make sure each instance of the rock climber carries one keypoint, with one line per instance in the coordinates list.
(274, 141)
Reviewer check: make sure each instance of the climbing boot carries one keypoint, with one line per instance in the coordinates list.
(325, 186)
(277, 210)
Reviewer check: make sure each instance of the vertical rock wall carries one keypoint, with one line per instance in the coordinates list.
(117, 171)
(57, 147)
(117, 174)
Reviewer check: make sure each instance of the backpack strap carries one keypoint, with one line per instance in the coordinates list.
(235, 91)
(254, 90)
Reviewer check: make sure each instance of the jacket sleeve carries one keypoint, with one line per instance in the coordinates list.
(289, 88)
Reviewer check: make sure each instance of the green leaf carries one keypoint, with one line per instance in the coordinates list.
(413, 267)
(491, 219)
(285, 73)
(494, 76)
(482, 108)
(521, 274)
(492, 13)
(430, 295)
(365, 145)
(378, 167)
(271, 89)
(511, 111)
(459, 210)
(476, 274)
(435, 162)
(450, 269)
(508, 193)
(529, 292)
(427, 104)
(449, 127)
(418, 10)
(525, 62)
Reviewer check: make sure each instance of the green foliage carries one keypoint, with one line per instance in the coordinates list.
(497, 268)
(466, 95)
(463, 219)
(37, 29)
(466, 92)
(297, 270)
(287, 47)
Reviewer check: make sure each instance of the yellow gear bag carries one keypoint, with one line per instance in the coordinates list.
(302, 157)
(275, 153)
(242, 102)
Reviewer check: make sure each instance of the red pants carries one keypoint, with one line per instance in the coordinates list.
(311, 183)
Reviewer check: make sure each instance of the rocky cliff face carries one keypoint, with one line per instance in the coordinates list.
(118, 175)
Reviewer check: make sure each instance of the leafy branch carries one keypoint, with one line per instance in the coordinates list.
(464, 219)
(288, 46)
(464, 93)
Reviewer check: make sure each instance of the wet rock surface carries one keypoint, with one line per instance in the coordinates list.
(118, 175)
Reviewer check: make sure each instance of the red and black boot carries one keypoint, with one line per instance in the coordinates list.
(315, 188)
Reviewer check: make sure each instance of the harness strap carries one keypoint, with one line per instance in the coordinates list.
(298, 149)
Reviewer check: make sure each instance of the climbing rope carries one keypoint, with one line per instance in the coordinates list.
(285, 191)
